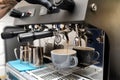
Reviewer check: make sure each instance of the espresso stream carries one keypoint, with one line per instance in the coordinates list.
(64, 51)
(67, 45)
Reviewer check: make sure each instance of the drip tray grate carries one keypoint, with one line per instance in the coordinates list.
(52, 76)
(76, 73)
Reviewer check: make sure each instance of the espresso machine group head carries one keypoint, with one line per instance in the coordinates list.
(29, 33)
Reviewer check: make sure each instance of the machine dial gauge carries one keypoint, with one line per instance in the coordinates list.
(57, 39)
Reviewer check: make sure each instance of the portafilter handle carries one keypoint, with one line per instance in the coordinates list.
(8, 35)
(30, 36)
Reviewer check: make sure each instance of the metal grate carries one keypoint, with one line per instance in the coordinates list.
(52, 76)
(41, 72)
(69, 77)
(50, 73)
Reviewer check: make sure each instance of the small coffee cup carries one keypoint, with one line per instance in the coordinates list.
(64, 58)
(86, 55)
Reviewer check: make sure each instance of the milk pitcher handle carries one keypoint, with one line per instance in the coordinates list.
(15, 52)
(98, 55)
(75, 60)
(16, 56)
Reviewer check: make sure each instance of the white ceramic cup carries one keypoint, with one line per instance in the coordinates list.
(64, 58)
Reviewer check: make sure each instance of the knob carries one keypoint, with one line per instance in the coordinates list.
(18, 14)
(94, 7)
(45, 3)
(65, 4)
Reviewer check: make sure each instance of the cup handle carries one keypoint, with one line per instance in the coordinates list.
(76, 61)
(98, 55)
(15, 52)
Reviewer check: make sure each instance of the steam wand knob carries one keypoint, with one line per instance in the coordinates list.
(46, 3)
(18, 14)
(65, 4)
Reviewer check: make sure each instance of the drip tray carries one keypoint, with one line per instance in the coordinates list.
(52, 76)
(73, 77)
(76, 73)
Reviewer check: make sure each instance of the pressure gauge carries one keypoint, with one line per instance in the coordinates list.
(57, 39)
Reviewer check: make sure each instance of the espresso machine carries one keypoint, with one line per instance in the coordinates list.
(101, 14)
